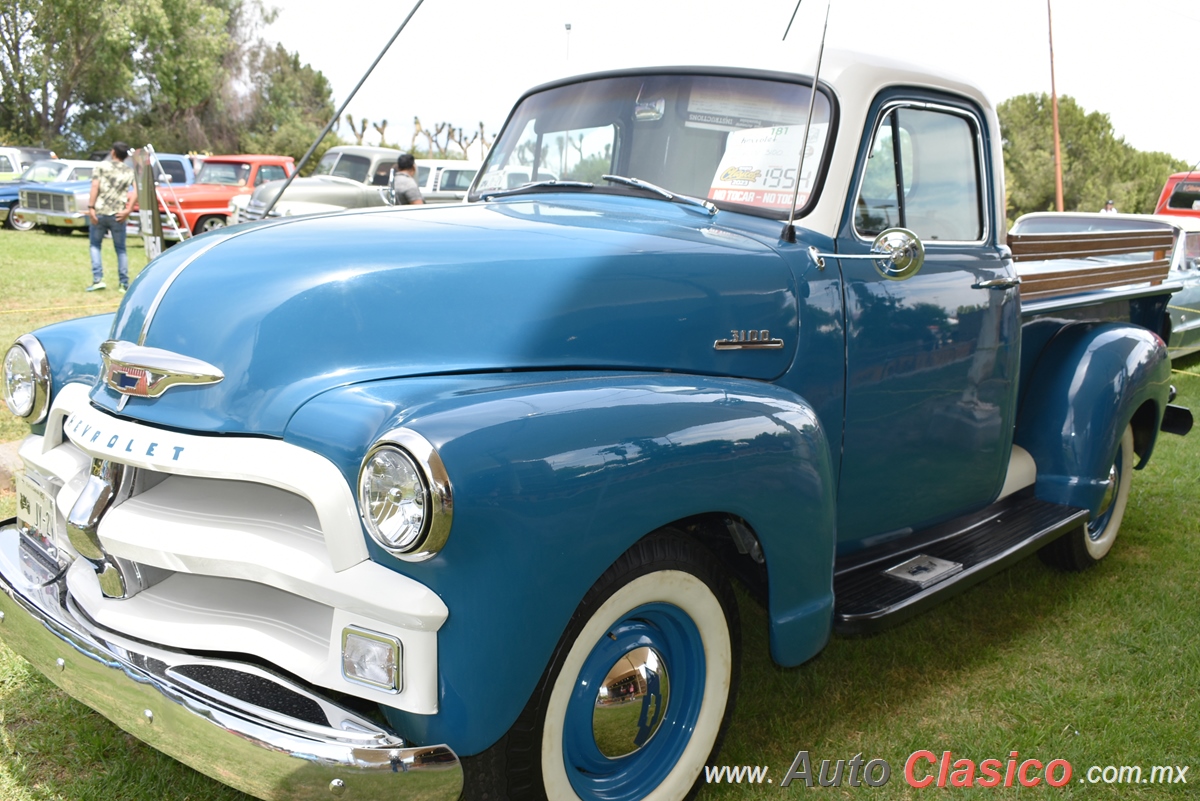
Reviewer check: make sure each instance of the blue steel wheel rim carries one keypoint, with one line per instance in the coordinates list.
(1096, 527)
(670, 632)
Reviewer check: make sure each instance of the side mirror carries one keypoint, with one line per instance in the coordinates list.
(898, 254)
(389, 194)
(163, 178)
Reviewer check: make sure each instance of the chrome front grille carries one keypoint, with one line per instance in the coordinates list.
(250, 546)
(44, 201)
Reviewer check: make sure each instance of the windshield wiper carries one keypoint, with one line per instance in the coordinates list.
(536, 185)
(665, 194)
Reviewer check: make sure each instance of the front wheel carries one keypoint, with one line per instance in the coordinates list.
(14, 223)
(1081, 549)
(638, 693)
(210, 223)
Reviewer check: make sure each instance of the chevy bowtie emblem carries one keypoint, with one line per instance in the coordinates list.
(130, 380)
(141, 372)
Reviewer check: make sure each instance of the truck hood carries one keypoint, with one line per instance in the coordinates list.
(288, 309)
(10, 190)
(321, 189)
(202, 194)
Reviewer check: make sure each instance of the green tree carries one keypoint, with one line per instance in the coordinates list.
(1097, 164)
(184, 75)
(63, 62)
(179, 51)
(290, 104)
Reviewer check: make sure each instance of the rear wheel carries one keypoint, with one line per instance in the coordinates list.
(15, 224)
(638, 693)
(1081, 549)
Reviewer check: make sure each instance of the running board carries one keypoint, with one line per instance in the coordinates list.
(879, 589)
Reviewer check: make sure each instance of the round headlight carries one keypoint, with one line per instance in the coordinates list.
(404, 496)
(27, 379)
(394, 499)
(19, 388)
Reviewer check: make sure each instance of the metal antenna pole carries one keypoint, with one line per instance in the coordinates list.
(338, 114)
(793, 19)
(789, 231)
(1058, 176)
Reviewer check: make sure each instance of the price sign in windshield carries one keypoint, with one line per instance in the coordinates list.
(759, 165)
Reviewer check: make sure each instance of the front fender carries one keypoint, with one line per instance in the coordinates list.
(1087, 385)
(73, 350)
(554, 476)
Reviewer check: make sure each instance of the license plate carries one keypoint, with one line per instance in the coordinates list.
(41, 218)
(35, 508)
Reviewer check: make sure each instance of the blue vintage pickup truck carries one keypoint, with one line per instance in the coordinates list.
(442, 501)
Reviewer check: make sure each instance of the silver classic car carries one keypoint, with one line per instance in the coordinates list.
(353, 177)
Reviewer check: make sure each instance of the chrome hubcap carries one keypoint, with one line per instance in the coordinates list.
(629, 705)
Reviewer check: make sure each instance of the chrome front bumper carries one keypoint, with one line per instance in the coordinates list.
(289, 743)
(56, 218)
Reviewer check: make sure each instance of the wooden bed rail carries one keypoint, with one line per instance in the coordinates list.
(1125, 257)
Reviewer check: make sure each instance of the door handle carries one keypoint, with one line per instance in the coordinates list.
(997, 283)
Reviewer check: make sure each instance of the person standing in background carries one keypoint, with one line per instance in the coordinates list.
(1109, 208)
(405, 182)
(109, 205)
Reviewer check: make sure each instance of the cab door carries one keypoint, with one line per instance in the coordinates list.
(932, 358)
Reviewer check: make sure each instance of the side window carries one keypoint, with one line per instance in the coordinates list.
(6, 165)
(382, 171)
(457, 180)
(922, 174)
(269, 172)
(174, 170)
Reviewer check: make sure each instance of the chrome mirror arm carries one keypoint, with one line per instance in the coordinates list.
(897, 253)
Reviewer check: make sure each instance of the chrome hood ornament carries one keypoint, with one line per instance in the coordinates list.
(141, 372)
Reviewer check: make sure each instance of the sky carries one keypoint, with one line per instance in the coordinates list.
(467, 61)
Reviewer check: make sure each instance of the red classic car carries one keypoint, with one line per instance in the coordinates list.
(204, 206)
(1181, 195)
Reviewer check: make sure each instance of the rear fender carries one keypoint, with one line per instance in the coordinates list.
(554, 476)
(1088, 384)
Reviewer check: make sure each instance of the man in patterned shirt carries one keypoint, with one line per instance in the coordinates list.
(109, 205)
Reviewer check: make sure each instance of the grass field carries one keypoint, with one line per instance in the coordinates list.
(1099, 668)
(42, 278)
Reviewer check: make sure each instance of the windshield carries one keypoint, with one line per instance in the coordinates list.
(735, 141)
(227, 173)
(44, 171)
(326, 165)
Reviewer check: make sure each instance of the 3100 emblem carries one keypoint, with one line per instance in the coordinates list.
(748, 340)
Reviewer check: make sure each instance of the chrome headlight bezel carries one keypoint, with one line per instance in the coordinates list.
(439, 496)
(39, 364)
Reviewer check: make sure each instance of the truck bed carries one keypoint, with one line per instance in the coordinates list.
(1060, 266)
